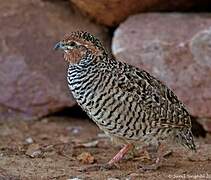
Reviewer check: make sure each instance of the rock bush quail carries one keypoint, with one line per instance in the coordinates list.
(127, 103)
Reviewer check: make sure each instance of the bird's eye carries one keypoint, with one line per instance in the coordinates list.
(72, 43)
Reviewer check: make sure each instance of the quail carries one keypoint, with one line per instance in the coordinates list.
(128, 104)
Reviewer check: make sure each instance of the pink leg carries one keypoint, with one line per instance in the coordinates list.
(112, 162)
(120, 154)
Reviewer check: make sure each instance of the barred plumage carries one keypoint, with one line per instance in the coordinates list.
(127, 103)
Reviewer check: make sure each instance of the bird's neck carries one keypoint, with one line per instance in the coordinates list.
(88, 70)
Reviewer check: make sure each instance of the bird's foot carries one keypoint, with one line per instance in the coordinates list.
(97, 167)
(158, 163)
(151, 167)
(112, 164)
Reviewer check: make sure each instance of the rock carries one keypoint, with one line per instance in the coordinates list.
(86, 158)
(34, 151)
(29, 140)
(174, 48)
(206, 122)
(32, 76)
(112, 12)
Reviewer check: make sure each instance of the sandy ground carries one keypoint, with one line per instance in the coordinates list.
(56, 148)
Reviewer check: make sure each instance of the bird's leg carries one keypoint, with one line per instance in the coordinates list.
(157, 155)
(120, 154)
(112, 162)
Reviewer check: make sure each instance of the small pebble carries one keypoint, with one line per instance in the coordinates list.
(74, 130)
(86, 158)
(34, 151)
(29, 140)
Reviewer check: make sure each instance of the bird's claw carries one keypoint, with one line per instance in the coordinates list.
(108, 166)
(158, 163)
(151, 167)
(98, 167)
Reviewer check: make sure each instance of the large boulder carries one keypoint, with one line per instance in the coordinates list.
(176, 48)
(112, 12)
(32, 75)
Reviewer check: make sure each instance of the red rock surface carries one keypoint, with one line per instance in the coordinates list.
(206, 123)
(174, 48)
(113, 12)
(32, 75)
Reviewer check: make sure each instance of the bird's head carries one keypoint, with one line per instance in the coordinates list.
(77, 44)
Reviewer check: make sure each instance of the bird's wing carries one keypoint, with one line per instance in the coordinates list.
(151, 94)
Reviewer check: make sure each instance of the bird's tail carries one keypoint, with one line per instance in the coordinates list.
(185, 137)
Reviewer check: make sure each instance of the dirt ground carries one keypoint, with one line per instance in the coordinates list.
(57, 147)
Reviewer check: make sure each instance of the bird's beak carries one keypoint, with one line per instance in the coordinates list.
(59, 45)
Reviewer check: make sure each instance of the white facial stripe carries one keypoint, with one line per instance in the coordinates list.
(69, 47)
(78, 43)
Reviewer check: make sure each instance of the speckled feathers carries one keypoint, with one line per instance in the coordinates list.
(125, 102)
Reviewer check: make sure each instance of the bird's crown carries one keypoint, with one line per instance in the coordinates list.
(86, 36)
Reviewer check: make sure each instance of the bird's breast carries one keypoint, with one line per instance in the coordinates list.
(111, 108)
